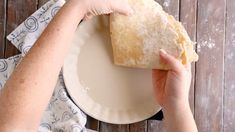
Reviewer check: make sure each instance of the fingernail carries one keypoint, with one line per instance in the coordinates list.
(163, 51)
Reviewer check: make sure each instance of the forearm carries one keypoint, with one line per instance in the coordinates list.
(28, 90)
(179, 118)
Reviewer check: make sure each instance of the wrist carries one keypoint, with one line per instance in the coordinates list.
(179, 105)
(179, 118)
(176, 111)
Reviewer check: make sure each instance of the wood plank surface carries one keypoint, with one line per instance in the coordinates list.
(18, 11)
(41, 3)
(210, 67)
(229, 93)
(2, 27)
(105, 127)
(92, 123)
(188, 17)
(155, 126)
(171, 7)
(139, 127)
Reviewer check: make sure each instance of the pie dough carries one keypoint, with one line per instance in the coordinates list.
(137, 39)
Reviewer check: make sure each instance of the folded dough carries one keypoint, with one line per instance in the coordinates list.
(137, 39)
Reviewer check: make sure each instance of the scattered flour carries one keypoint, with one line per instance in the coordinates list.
(233, 87)
(233, 40)
(186, 16)
(166, 3)
(210, 44)
(198, 47)
(233, 35)
(230, 56)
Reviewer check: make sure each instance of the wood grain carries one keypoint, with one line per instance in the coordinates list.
(2, 27)
(229, 97)
(210, 67)
(156, 126)
(41, 3)
(188, 17)
(171, 7)
(139, 127)
(105, 127)
(92, 123)
(18, 11)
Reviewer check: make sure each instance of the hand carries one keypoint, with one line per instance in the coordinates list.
(172, 87)
(100, 7)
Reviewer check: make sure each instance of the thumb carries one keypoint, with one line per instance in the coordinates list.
(122, 7)
(172, 62)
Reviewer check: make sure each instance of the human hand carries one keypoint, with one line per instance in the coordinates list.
(172, 86)
(100, 7)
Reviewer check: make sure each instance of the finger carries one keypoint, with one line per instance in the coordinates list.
(87, 17)
(158, 74)
(159, 79)
(121, 7)
(171, 61)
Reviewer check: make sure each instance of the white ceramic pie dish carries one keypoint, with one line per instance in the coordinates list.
(101, 89)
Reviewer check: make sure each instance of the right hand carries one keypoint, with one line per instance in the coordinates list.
(172, 86)
(100, 7)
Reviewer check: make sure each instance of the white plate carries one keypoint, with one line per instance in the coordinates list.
(104, 91)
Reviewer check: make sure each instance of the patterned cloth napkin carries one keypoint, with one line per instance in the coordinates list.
(61, 114)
